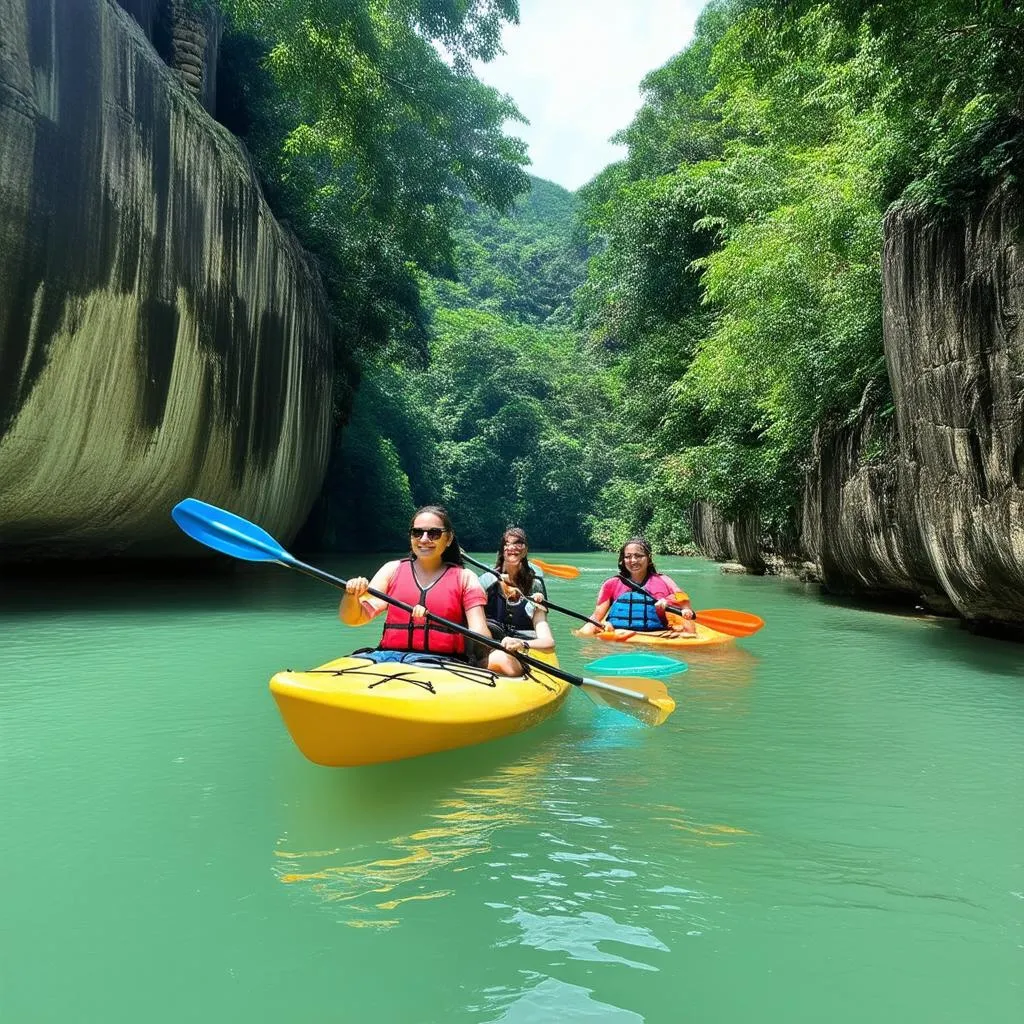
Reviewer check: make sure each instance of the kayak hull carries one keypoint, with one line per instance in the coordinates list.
(352, 712)
(706, 637)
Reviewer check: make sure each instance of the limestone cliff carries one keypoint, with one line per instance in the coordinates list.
(928, 505)
(160, 334)
(954, 341)
(186, 34)
(858, 526)
(738, 541)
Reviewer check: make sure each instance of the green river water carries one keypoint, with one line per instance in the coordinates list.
(830, 827)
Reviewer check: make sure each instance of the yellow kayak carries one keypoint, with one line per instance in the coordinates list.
(706, 636)
(353, 712)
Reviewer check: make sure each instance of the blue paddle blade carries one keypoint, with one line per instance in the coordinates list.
(656, 666)
(225, 532)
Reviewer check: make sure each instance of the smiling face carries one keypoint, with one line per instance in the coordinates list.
(513, 549)
(637, 561)
(428, 537)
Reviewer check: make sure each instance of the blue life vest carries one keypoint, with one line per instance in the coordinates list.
(635, 611)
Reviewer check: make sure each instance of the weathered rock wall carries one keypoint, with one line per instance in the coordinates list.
(160, 334)
(954, 342)
(858, 527)
(727, 540)
(929, 505)
(187, 36)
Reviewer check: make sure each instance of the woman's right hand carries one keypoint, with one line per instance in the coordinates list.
(357, 586)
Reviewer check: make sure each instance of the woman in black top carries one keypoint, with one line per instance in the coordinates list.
(510, 613)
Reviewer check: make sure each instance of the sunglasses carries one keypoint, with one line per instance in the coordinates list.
(434, 533)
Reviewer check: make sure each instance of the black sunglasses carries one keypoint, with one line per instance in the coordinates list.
(434, 533)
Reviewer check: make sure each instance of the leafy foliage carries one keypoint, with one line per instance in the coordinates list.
(743, 232)
(511, 403)
(367, 140)
(500, 423)
(524, 266)
(590, 365)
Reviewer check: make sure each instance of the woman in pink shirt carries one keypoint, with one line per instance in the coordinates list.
(622, 607)
(430, 578)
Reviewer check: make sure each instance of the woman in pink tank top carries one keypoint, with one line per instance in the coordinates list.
(431, 579)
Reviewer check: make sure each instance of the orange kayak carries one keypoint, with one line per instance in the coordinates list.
(706, 636)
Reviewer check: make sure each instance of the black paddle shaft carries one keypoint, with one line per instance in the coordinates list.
(640, 590)
(337, 581)
(576, 615)
(545, 603)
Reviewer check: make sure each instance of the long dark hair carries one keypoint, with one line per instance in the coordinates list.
(452, 554)
(526, 576)
(642, 541)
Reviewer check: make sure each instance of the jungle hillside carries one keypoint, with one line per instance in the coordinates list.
(590, 365)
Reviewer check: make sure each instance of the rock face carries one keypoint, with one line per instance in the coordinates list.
(727, 540)
(858, 525)
(186, 34)
(954, 340)
(160, 334)
(928, 505)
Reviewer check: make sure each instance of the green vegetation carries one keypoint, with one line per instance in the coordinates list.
(739, 243)
(503, 423)
(367, 141)
(590, 365)
(525, 266)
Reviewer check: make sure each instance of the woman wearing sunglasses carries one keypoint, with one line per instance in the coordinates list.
(431, 578)
(621, 606)
(520, 623)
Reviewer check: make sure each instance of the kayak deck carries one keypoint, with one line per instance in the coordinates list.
(706, 636)
(352, 711)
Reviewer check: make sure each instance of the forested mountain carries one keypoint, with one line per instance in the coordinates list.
(730, 303)
(500, 423)
(525, 266)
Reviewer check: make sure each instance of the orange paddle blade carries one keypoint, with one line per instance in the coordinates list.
(563, 572)
(725, 620)
(646, 700)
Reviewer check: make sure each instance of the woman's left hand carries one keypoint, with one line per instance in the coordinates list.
(514, 643)
(419, 613)
(689, 613)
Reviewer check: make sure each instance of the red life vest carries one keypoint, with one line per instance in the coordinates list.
(443, 597)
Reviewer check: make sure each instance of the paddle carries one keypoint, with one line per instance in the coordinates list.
(725, 620)
(722, 620)
(546, 602)
(648, 700)
(652, 659)
(637, 665)
(563, 572)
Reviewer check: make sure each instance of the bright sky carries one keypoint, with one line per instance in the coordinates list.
(574, 69)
